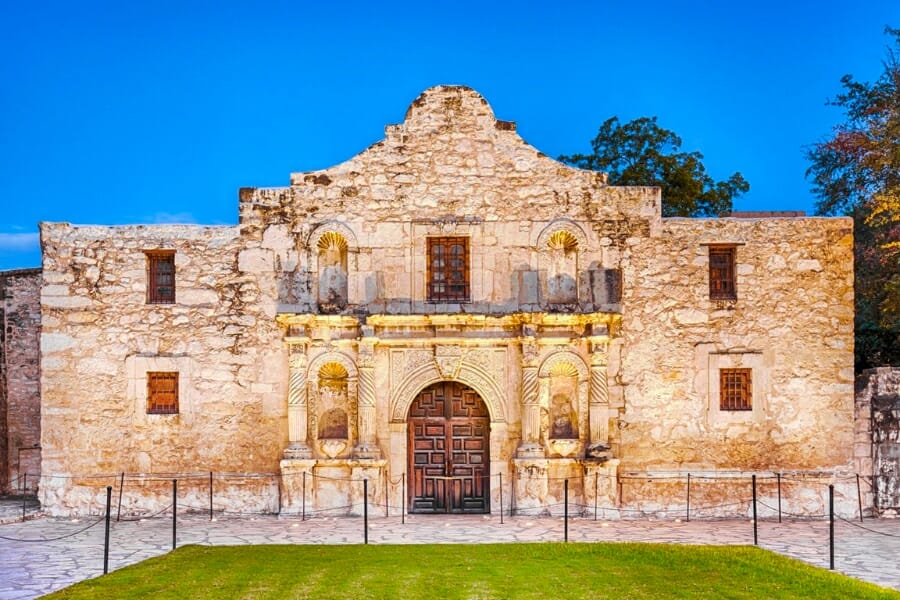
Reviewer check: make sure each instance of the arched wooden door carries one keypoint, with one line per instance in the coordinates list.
(449, 451)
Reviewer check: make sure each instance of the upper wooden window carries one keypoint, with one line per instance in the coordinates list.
(735, 389)
(162, 393)
(161, 277)
(721, 273)
(448, 269)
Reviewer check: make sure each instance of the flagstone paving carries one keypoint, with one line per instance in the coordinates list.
(62, 551)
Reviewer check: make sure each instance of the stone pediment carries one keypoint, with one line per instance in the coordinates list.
(450, 157)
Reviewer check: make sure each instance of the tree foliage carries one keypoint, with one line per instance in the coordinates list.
(856, 172)
(641, 152)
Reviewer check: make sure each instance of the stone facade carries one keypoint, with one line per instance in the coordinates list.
(305, 338)
(20, 408)
(878, 435)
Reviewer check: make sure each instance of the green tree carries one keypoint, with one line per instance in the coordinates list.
(641, 152)
(856, 171)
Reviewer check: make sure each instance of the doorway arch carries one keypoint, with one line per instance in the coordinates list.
(448, 442)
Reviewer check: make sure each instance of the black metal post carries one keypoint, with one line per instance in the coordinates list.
(831, 527)
(106, 538)
(779, 496)
(387, 500)
(303, 504)
(121, 485)
(688, 512)
(210, 495)
(566, 510)
(859, 498)
(501, 497)
(365, 511)
(755, 536)
(403, 499)
(24, 481)
(174, 511)
(596, 492)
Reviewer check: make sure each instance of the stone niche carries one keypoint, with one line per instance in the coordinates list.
(332, 411)
(331, 250)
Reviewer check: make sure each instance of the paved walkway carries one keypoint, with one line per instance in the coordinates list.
(74, 549)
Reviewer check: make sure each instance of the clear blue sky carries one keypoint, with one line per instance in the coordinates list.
(147, 112)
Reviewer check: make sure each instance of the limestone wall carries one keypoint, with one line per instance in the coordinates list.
(20, 324)
(792, 323)
(878, 402)
(100, 337)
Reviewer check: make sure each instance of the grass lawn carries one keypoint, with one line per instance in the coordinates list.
(559, 571)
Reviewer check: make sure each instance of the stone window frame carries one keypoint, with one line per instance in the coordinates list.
(722, 273)
(137, 368)
(156, 258)
(161, 385)
(716, 361)
(448, 297)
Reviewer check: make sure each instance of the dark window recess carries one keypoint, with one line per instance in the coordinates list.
(448, 269)
(162, 393)
(721, 273)
(613, 282)
(160, 277)
(735, 389)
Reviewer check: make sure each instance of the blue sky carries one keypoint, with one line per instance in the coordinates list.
(153, 112)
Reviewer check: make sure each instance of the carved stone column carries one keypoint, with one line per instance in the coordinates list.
(298, 447)
(367, 447)
(531, 409)
(599, 402)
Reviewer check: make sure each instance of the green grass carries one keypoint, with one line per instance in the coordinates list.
(559, 571)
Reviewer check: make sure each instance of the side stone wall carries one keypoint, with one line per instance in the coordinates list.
(100, 338)
(792, 324)
(20, 398)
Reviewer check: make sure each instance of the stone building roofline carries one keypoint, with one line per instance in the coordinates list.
(20, 272)
(441, 110)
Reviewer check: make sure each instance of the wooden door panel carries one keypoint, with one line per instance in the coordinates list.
(449, 436)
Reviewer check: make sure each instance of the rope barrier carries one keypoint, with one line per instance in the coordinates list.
(858, 526)
(62, 537)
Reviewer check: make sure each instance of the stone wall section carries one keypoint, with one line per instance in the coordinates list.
(100, 337)
(20, 399)
(792, 323)
(878, 409)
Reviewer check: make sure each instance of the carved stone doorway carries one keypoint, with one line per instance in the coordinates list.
(449, 451)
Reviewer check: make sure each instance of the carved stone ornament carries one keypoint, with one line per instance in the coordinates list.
(448, 359)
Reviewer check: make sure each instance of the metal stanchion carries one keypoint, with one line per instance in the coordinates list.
(596, 492)
(24, 487)
(303, 504)
(210, 495)
(365, 511)
(755, 536)
(174, 511)
(121, 485)
(501, 497)
(831, 527)
(779, 496)
(566, 510)
(859, 498)
(106, 538)
(687, 516)
(403, 499)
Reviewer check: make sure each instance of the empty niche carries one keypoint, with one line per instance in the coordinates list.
(563, 409)
(562, 268)
(332, 261)
(332, 405)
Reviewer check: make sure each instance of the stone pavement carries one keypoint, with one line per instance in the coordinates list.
(74, 549)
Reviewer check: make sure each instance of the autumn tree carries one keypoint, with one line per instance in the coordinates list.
(641, 152)
(856, 171)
